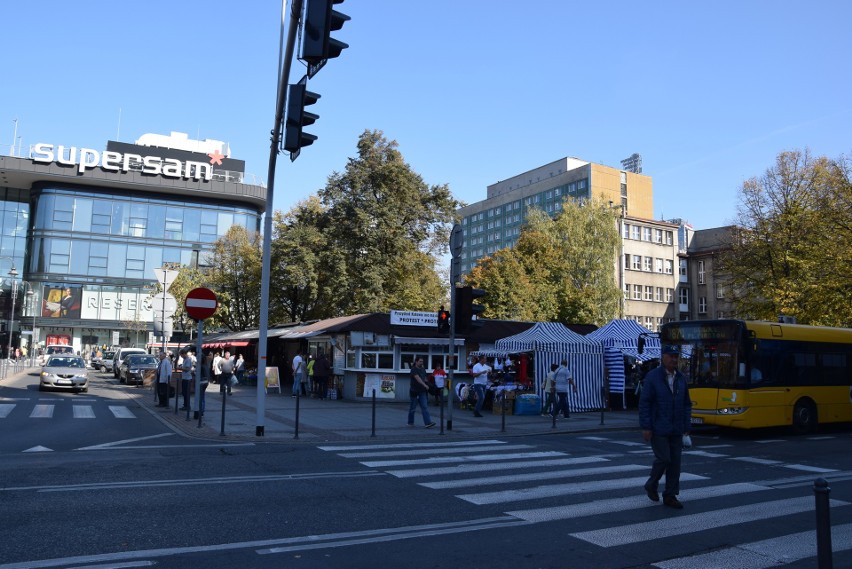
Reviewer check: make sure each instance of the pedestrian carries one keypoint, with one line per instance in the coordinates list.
(187, 367)
(418, 392)
(298, 370)
(206, 372)
(322, 371)
(311, 386)
(480, 373)
(665, 410)
(440, 383)
(547, 386)
(164, 376)
(563, 379)
(217, 368)
(240, 368)
(226, 367)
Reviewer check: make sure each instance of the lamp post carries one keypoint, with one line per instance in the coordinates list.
(12, 273)
(33, 338)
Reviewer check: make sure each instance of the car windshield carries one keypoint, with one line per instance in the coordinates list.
(108, 356)
(141, 360)
(60, 361)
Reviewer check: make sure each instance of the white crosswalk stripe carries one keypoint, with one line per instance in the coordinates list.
(60, 410)
(599, 488)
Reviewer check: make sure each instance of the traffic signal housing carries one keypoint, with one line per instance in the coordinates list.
(466, 312)
(298, 97)
(320, 20)
(443, 321)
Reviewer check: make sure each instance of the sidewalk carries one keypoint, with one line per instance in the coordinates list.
(351, 420)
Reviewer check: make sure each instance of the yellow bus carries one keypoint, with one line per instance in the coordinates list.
(746, 374)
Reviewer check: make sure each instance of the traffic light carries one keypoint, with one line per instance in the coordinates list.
(320, 20)
(298, 97)
(443, 321)
(465, 310)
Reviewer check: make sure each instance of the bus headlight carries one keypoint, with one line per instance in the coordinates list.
(732, 410)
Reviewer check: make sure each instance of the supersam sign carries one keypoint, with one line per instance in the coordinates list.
(88, 159)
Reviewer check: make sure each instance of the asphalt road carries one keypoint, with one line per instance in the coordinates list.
(508, 502)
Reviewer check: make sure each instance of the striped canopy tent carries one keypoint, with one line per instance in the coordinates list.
(621, 338)
(551, 342)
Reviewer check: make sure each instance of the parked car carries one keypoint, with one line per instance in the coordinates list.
(135, 366)
(120, 354)
(64, 372)
(103, 362)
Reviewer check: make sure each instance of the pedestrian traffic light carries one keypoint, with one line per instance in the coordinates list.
(466, 312)
(443, 321)
(320, 20)
(298, 97)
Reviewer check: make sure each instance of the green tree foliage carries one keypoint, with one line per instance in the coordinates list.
(386, 227)
(561, 268)
(793, 254)
(234, 275)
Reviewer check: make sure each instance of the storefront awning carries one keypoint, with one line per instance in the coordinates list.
(428, 341)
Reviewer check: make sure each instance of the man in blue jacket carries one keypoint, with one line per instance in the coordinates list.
(664, 414)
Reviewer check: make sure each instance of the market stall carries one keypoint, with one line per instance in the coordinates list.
(620, 340)
(551, 342)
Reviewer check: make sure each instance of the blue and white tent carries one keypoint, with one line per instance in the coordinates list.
(621, 338)
(551, 342)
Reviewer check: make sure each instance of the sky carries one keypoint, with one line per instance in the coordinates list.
(473, 91)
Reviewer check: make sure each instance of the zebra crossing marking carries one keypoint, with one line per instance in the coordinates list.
(640, 501)
(433, 450)
(83, 412)
(5, 409)
(121, 412)
(548, 475)
(446, 459)
(42, 412)
(554, 490)
(649, 530)
(471, 468)
(765, 553)
(409, 446)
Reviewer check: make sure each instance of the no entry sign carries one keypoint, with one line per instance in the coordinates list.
(200, 303)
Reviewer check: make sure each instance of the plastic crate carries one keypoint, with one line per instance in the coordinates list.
(527, 405)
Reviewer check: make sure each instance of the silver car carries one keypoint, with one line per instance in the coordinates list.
(64, 372)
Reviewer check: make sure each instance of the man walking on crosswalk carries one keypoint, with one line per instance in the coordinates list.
(664, 413)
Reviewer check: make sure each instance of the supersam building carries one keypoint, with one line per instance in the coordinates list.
(83, 229)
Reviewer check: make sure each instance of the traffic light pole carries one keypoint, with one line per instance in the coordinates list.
(452, 362)
(283, 78)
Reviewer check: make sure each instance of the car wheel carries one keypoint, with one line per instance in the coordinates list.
(805, 417)
(103, 369)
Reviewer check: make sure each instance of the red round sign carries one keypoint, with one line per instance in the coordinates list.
(200, 303)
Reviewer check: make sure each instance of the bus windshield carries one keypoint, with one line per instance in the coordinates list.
(710, 352)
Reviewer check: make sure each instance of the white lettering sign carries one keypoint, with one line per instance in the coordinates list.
(411, 318)
(118, 162)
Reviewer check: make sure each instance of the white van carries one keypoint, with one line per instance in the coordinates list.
(120, 354)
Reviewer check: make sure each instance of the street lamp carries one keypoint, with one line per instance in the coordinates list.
(33, 339)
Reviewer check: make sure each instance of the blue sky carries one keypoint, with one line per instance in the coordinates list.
(474, 91)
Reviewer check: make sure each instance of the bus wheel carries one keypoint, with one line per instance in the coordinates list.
(804, 417)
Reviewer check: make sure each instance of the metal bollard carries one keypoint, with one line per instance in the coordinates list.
(298, 399)
(823, 524)
(503, 415)
(373, 433)
(441, 404)
(553, 406)
(224, 397)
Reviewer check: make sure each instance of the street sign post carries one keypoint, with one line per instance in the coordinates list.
(200, 303)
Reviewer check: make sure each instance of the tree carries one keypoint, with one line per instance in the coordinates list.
(234, 275)
(387, 226)
(793, 253)
(561, 268)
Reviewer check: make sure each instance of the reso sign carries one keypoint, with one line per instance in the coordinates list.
(118, 162)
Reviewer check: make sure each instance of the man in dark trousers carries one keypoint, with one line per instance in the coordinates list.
(322, 371)
(665, 411)
(164, 376)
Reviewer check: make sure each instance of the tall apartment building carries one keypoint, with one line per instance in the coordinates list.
(704, 291)
(649, 250)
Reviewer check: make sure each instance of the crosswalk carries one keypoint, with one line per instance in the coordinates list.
(63, 409)
(604, 491)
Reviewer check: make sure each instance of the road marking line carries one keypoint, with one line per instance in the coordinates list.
(807, 468)
(83, 412)
(471, 468)
(116, 443)
(410, 446)
(549, 475)
(755, 460)
(446, 459)
(5, 409)
(42, 412)
(121, 412)
(417, 452)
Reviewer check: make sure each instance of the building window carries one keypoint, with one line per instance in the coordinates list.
(683, 295)
(637, 292)
(669, 266)
(625, 230)
(646, 234)
(649, 293)
(649, 264)
(627, 261)
(702, 305)
(682, 264)
(668, 235)
(659, 294)
(658, 236)
(634, 232)
(700, 272)
(637, 262)
(626, 291)
(669, 295)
